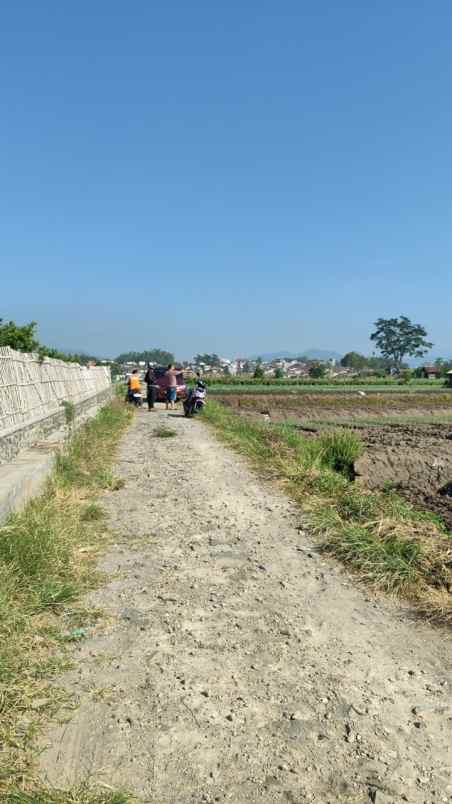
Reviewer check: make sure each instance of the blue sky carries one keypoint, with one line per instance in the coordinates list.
(240, 178)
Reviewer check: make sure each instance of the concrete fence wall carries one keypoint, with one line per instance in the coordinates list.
(33, 392)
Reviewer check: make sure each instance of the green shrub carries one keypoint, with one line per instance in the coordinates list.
(406, 375)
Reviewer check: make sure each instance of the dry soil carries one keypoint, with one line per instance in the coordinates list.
(234, 662)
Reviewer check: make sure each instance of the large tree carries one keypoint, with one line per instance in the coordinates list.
(397, 338)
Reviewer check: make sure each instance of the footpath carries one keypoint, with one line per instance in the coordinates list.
(233, 662)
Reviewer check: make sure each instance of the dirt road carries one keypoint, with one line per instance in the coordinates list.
(236, 663)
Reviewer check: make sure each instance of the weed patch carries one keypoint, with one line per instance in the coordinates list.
(92, 513)
(340, 450)
(164, 432)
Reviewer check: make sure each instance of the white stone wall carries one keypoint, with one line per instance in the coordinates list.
(33, 390)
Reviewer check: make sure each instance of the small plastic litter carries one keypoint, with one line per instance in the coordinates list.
(75, 634)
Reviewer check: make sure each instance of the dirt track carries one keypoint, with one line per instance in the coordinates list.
(236, 663)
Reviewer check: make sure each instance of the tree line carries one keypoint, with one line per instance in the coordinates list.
(24, 339)
(396, 339)
(160, 356)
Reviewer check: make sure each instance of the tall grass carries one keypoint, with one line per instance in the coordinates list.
(380, 535)
(339, 451)
(46, 562)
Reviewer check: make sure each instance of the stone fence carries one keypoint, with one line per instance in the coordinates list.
(33, 396)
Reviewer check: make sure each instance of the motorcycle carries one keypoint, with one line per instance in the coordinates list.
(196, 399)
(134, 398)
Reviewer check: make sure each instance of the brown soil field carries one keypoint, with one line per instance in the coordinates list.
(281, 407)
(413, 459)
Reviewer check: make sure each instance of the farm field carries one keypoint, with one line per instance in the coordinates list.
(407, 438)
(418, 387)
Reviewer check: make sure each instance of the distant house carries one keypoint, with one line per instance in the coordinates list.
(296, 369)
(431, 372)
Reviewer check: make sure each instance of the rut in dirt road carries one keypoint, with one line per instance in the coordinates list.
(236, 663)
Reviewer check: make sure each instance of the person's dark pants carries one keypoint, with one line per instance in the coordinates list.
(151, 396)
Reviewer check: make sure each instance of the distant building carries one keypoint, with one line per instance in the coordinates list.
(431, 372)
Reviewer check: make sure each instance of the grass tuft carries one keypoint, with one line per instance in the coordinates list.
(164, 432)
(340, 450)
(92, 513)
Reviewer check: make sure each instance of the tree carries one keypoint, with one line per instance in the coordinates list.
(354, 360)
(406, 376)
(317, 371)
(278, 374)
(379, 364)
(397, 338)
(258, 371)
(159, 356)
(23, 339)
(209, 360)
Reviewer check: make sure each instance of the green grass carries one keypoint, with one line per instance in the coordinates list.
(164, 432)
(92, 512)
(380, 535)
(336, 382)
(47, 554)
(340, 449)
(433, 387)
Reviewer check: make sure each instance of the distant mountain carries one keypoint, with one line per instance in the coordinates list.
(312, 354)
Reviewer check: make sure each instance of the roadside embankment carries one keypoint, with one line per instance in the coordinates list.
(47, 559)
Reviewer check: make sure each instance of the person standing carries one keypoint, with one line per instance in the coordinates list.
(171, 385)
(151, 395)
(134, 388)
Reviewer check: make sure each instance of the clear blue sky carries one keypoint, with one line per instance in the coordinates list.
(231, 177)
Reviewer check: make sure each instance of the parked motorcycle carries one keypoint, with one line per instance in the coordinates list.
(134, 398)
(195, 400)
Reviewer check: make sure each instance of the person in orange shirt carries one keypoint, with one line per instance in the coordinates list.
(133, 386)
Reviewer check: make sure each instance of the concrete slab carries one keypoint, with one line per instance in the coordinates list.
(25, 477)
